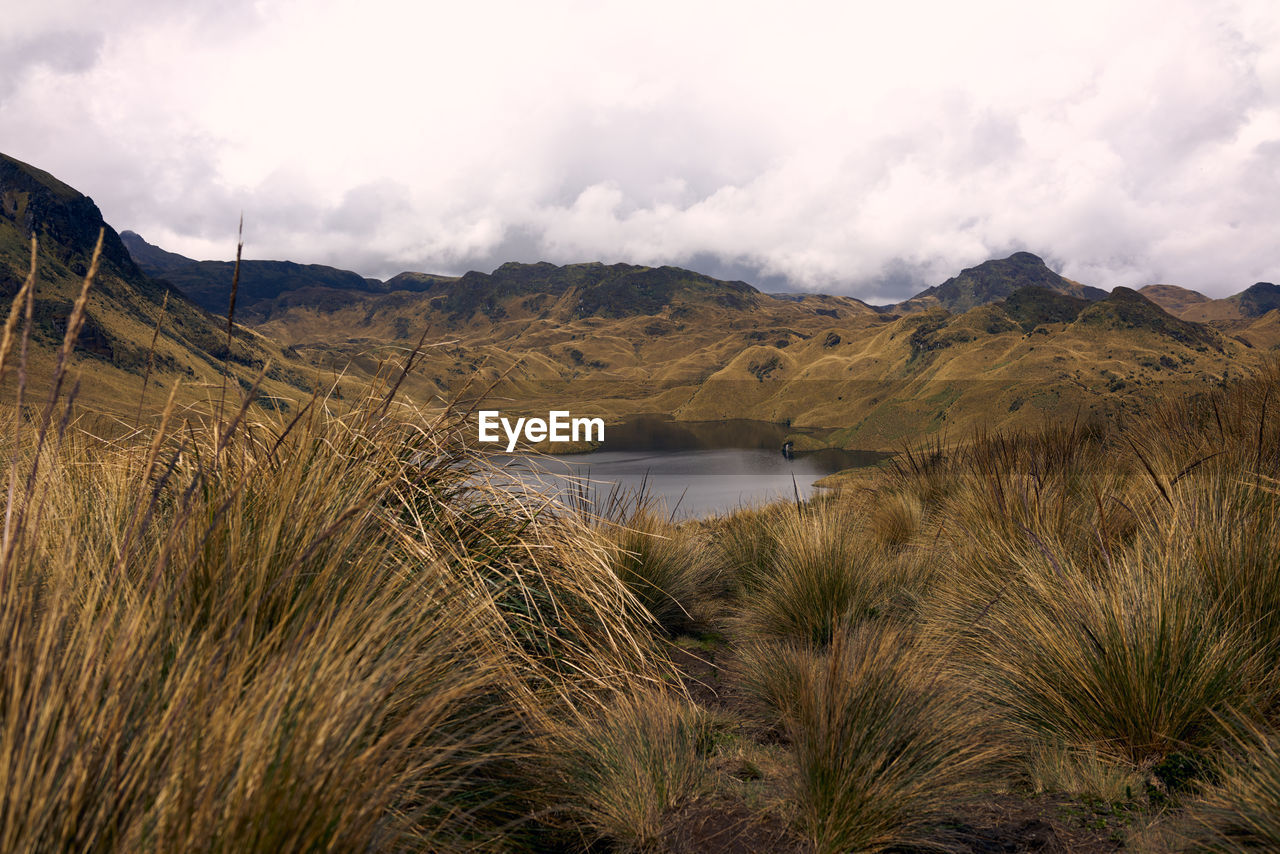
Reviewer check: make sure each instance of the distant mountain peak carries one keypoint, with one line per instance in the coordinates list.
(995, 280)
(1259, 298)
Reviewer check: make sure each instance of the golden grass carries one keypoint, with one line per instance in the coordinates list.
(326, 629)
(318, 633)
(826, 575)
(885, 745)
(664, 567)
(626, 770)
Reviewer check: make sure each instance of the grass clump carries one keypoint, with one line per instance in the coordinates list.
(627, 769)
(1241, 811)
(885, 746)
(663, 566)
(745, 545)
(825, 575)
(774, 675)
(1136, 663)
(896, 518)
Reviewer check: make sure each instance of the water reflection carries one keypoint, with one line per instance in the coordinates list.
(694, 469)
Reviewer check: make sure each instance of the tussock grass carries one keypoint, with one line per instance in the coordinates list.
(626, 770)
(896, 518)
(885, 745)
(745, 545)
(229, 631)
(774, 675)
(826, 575)
(664, 567)
(1136, 662)
(1241, 812)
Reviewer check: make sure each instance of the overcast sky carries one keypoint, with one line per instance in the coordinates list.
(870, 149)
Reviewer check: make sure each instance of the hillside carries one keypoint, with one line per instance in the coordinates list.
(124, 305)
(1008, 343)
(701, 350)
(1253, 302)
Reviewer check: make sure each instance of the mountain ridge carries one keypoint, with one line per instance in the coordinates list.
(124, 305)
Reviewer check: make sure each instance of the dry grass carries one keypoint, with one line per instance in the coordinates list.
(626, 770)
(229, 629)
(826, 575)
(896, 518)
(885, 745)
(745, 545)
(664, 567)
(236, 633)
(1241, 811)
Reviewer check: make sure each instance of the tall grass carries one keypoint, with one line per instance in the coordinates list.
(625, 770)
(235, 632)
(745, 545)
(1241, 811)
(1136, 664)
(827, 574)
(885, 746)
(664, 567)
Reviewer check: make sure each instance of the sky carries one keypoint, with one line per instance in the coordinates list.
(845, 147)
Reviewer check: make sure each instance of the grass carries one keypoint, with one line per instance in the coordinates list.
(884, 746)
(625, 771)
(663, 566)
(1241, 812)
(230, 631)
(826, 575)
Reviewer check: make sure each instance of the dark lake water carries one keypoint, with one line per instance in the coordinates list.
(694, 469)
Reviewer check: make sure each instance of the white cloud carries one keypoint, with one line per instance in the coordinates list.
(835, 146)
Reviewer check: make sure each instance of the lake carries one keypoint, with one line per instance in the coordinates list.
(695, 469)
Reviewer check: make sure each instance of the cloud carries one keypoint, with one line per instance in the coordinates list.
(870, 151)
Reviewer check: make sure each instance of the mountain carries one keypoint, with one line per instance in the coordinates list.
(1254, 301)
(1173, 299)
(124, 303)
(208, 283)
(1006, 343)
(1259, 298)
(994, 280)
(154, 260)
(534, 337)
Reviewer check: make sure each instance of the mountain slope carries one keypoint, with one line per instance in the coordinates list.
(1253, 302)
(124, 304)
(620, 340)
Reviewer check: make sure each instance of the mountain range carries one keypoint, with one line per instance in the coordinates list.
(125, 304)
(1006, 342)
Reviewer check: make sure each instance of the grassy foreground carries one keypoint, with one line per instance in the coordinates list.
(323, 629)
